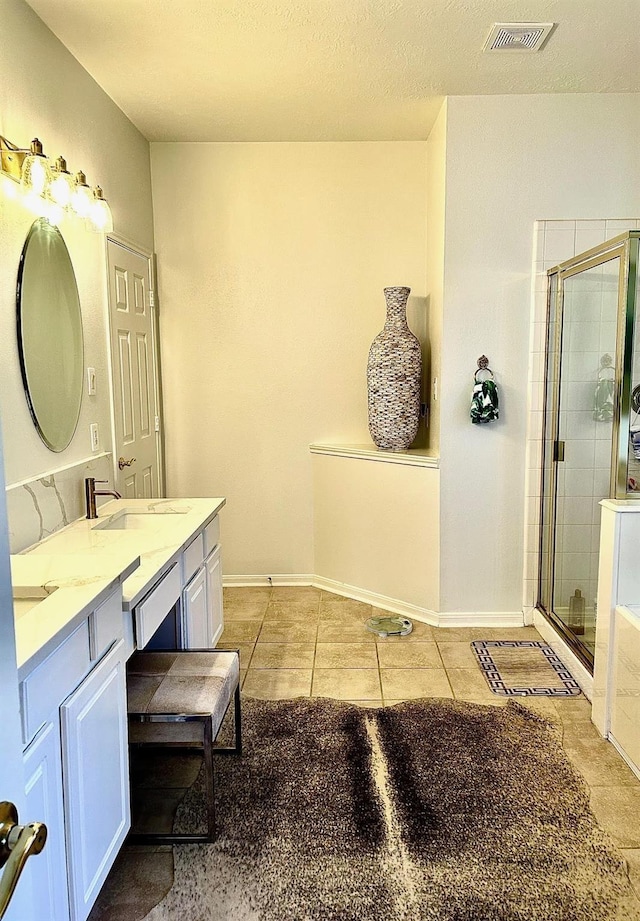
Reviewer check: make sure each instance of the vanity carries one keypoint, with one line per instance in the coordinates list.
(84, 599)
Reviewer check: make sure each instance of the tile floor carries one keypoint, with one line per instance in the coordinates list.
(301, 641)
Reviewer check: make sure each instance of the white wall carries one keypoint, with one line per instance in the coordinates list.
(510, 160)
(436, 222)
(376, 528)
(272, 260)
(45, 92)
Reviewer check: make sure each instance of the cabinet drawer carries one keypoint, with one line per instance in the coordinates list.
(59, 674)
(211, 535)
(106, 625)
(150, 613)
(192, 558)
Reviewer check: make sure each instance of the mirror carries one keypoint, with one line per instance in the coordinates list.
(50, 334)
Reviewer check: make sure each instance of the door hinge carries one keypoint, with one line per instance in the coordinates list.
(558, 451)
(152, 298)
(157, 423)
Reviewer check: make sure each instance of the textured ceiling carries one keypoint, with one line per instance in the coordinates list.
(273, 70)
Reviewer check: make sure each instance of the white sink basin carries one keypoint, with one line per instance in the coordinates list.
(27, 597)
(136, 519)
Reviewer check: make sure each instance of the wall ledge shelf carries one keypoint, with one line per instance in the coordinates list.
(414, 457)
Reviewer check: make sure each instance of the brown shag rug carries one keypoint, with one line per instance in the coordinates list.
(432, 810)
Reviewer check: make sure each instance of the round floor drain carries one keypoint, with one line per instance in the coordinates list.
(388, 625)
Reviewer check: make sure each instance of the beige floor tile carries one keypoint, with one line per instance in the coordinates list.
(289, 631)
(336, 632)
(369, 704)
(292, 610)
(347, 683)
(347, 610)
(333, 597)
(457, 655)
(412, 655)
(244, 610)
(412, 683)
(283, 655)
(251, 593)
(246, 651)
(240, 631)
(243, 675)
(543, 706)
(617, 810)
(573, 709)
(277, 683)
(421, 633)
(346, 655)
(468, 634)
(469, 683)
(601, 765)
(577, 733)
(633, 863)
(295, 593)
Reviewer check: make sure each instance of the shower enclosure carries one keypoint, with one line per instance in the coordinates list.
(591, 440)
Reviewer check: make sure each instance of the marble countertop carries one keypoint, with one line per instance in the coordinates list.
(158, 544)
(70, 590)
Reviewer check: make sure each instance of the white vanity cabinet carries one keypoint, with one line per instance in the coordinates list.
(43, 784)
(74, 718)
(202, 618)
(95, 772)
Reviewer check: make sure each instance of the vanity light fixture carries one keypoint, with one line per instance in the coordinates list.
(100, 218)
(81, 197)
(61, 186)
(49, 189)
(36, 175)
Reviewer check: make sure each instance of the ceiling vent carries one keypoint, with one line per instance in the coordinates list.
(518, 36)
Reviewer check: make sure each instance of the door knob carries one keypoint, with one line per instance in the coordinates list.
(17, 843)
(122, 463)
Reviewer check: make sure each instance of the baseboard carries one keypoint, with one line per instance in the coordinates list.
(405, 608)
(568, 656)
(424, 615)
(481, 619)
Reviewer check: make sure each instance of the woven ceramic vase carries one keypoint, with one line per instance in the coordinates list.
(393, 378)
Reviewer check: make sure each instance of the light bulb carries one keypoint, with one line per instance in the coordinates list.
(36, 171)
(81, 197)
(61, 186)
(100, 218)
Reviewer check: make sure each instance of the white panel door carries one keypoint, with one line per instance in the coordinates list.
(95, 769)
(194, 612)
(134, 372)
(12, 774)
(48, 874)
(213, 569)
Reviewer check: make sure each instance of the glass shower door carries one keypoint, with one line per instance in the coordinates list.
(587, 404)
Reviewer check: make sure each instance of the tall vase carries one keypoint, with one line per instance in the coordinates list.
(393, 378)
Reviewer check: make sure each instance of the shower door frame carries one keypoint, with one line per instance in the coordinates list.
(626, 248)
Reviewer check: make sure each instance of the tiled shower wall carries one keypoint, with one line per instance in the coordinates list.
(555, 242)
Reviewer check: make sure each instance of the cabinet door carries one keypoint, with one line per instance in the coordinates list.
(95, 770)
(213, 568)
(48, 871)
(194, 612)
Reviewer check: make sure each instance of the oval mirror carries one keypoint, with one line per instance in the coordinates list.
(50, 334)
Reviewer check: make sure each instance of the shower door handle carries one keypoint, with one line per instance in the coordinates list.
(558, 451)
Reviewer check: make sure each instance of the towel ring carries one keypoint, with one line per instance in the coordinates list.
(483, 365)
(635, 399)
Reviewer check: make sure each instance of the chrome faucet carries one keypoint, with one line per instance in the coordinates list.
(90, 493)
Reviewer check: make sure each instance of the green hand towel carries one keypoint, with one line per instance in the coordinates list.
(484, 402)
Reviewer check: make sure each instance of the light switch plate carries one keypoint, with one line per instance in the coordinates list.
(91, 381)
(95, 437)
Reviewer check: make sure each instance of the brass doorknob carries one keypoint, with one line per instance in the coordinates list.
(17, 843)
(122, 463)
